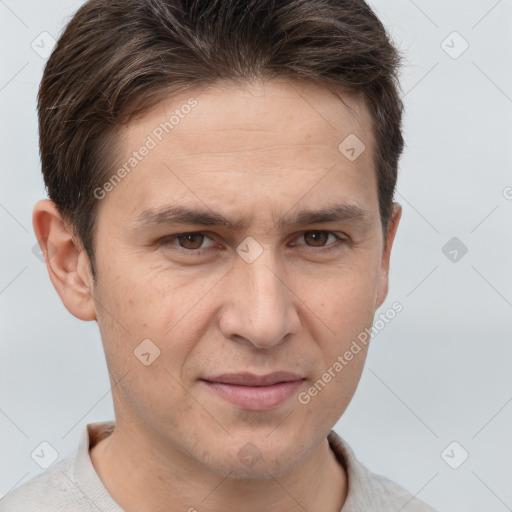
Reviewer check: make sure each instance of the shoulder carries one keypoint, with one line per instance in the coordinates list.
(70, 484)
(50, 491)
(369, 491)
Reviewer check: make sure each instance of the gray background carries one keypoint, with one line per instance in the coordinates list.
(438, 373)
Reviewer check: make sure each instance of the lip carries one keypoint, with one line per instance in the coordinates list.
(250, 379)
(253, 392)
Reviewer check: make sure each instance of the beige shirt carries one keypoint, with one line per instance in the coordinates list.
(73, 485)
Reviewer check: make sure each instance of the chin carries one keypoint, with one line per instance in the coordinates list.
(250, 462)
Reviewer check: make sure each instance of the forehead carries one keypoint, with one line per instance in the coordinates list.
(255, 145)
(300, 112)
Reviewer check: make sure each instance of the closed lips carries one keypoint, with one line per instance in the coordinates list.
(248, 379)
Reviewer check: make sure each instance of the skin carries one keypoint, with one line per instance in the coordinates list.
(256, 152)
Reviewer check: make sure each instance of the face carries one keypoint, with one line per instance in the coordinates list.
(243, 283)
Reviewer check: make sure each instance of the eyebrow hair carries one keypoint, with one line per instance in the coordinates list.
(180, 214)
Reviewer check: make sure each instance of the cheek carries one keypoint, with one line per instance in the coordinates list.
(169, 308)
(148, 297)
(343, 302)
(137, 307)
(341, 311)
(153, 394)
(330, 394)
(341, 353)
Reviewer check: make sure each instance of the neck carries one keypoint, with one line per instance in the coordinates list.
(141, 477)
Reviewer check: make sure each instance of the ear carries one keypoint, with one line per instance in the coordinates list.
(382, 290)
(66, 260)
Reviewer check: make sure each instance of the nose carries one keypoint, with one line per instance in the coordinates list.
(260, 307)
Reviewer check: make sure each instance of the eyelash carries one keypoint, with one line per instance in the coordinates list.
(167, 241)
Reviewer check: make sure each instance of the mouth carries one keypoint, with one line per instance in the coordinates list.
(249, 379)
(255, 393)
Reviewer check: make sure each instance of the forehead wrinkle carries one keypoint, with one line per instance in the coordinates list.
(249, 151)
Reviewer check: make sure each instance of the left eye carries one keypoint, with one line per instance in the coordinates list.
(319, 238)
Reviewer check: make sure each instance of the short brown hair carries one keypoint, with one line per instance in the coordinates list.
(117, 58)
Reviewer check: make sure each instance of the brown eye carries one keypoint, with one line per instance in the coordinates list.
(320, 240)
(317, 238)
(188, 244)
(190, 240)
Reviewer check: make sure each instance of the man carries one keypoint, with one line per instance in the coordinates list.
(221, 178)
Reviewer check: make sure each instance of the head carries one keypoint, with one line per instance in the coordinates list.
(233, 121)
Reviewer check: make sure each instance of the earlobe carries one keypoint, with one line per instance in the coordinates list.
(383, 283)
(66, 261)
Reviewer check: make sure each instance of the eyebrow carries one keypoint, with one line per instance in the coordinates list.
(180, 214)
